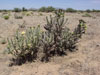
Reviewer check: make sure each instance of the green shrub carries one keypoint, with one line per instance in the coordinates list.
(57, 39)
(50, 9)
(81, 11)
(24, 13)
(24, 9)
(86, 15)
(17, 10)
(32, 9)
(71, 10)
(47, 9)
(28, 14)
(6, 17)
(3, 41)
(16, 16)
(42, 9)
(40, 14)
(88, 11)
(94, 10)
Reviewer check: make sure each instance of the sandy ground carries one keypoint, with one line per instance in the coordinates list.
(85, 61)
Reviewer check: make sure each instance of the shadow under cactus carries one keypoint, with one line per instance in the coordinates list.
(23, 59)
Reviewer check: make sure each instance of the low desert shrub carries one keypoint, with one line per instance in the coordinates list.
(28, 14)
(86, 15)
(6, 17)
(24, 9)
(71, 10)
(42, 9)
(94, 10)
(57, 39)
(3, 41)
(16, 16)
(40, 14)
(47, 9)
(23, 25)
(50, 9)
(17, 10)
(88, 11)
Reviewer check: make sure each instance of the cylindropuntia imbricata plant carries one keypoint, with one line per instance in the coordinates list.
(24, 45)
(57, 39)
(60, 36)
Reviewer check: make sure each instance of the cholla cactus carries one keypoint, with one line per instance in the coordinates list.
(61, 38)
(25, 43)
(55, 40)
(72, 38)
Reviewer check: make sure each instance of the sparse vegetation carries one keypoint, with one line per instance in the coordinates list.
(86, 15)
(18, 16)
(60, 38)
(88, 11)
(50, 9)
(71, 10)
(17, 10)
(94, 10)
(6, 17)
(40, 14)
(56, 40)
(47, 9)
(28, 14)
(22, 25)
(3, 41)
(42, 9)
(24, 9)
